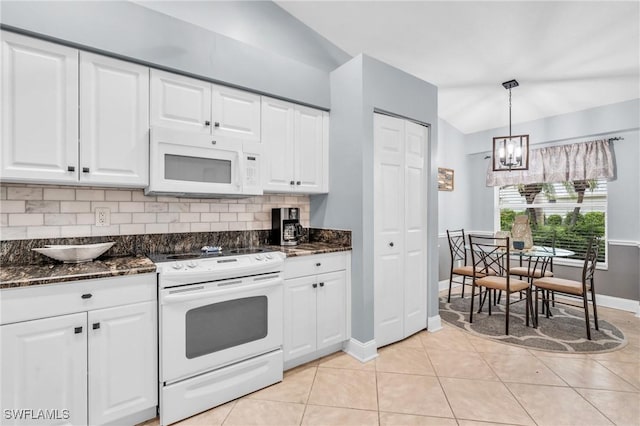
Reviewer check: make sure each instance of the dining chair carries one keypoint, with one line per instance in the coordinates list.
(459, 267)
(491, 256)
(537, 267)
(572, 288)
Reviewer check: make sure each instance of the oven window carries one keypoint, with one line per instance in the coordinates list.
(223, 325)
(197, 169)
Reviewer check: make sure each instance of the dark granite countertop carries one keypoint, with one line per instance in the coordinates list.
(310, 248)
(21, 267)
(49, 273)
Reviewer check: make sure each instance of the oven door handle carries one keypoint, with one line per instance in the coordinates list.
(201, 292)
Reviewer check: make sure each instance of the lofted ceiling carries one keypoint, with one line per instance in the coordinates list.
(567, 55)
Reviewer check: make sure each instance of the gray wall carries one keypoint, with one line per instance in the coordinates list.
(262, 24)
(357, 88)
(622, 279)
(136, 33)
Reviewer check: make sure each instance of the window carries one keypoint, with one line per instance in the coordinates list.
(571, 212)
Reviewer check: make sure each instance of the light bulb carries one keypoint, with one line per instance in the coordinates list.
(501, 153)
(510, 148)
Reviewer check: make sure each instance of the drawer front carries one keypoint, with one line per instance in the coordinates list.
(42, 301)
(314, 264)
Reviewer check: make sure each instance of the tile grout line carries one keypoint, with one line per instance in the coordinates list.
(616, 374)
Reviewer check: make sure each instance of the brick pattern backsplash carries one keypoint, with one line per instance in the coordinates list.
(37, 211)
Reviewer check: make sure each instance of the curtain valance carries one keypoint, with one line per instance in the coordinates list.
(578, 161)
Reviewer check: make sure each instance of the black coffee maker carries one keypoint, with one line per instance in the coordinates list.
(285, 226)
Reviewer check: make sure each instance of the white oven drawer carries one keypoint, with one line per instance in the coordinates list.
(200, 393)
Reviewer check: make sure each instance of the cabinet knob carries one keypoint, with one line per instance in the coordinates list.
(314, 285)
(96, 325)
(321, 284)
(207, 123)
(85, 170)
(214, 142)
(391, 244)
(77, 330)
(216, 124)
(298, 183)
(292, 183)
(71, 169)
(87, 296)
(318, 264)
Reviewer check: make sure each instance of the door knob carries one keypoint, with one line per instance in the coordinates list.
(391, 244)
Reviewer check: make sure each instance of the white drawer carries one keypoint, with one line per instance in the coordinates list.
(314, 264)
(47, 300)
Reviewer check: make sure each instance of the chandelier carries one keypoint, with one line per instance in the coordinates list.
(510, 152)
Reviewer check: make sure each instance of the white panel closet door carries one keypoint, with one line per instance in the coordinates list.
(389, 209)
(415, 294)
(400, 287)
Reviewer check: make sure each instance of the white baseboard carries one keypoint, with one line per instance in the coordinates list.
(444, 284)
(434, 324)
(363, 352)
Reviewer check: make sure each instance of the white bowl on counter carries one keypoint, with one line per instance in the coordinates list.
(74, 253)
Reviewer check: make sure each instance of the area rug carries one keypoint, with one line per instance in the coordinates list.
(565, 331)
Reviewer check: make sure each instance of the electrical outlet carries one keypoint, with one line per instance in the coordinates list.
(103, 216)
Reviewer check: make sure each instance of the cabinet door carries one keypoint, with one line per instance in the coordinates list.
(39, 110)
(180, 103)
(299, 317)
(114, 121)
(277, 139)
(331, 308)
(309, 157)
(44, 366)
(123, 367)
(236, 113)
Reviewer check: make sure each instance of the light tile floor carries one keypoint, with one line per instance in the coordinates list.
(448, 378)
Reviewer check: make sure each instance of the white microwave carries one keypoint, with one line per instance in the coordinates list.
(195, 165)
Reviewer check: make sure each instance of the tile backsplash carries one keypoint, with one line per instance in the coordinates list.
(39, 211)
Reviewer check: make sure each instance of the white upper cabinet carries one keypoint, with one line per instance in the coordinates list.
(39, 110)
(278, 140)
(180, 103)
(296, 148)
(310, 162)
(193, 105)
(114, 121)
(235, 113)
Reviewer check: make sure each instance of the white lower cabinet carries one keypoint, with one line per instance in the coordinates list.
(122, 361)
(97, 366)
(44, 367)
(316, 305)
